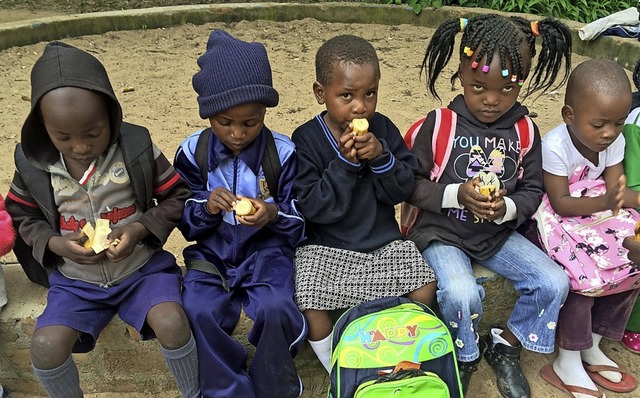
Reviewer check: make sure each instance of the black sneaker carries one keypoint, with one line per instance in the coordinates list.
(5, 393)
(505, 361)
(466, 369)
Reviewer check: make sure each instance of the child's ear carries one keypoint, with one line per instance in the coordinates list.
(567, 115)
(318, 92)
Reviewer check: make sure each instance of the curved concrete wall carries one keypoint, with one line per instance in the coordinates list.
(624, 51)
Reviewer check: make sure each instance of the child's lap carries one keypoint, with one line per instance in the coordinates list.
(329, 278)
(252, 285)
(517, 260)
(88, 308)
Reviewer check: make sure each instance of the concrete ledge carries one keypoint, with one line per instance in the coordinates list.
(121, 363)
(624, 51)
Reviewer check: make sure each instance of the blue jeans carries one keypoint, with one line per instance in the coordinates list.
(541, 283)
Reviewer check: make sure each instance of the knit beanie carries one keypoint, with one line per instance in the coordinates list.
(232, 72)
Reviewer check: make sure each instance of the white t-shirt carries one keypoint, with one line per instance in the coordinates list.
(560, 157)
(632, 116)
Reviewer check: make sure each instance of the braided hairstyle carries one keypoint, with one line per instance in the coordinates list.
(512, 38)
(343, 48)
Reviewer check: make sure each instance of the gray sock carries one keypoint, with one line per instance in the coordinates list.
(63, 381)
(183, 363)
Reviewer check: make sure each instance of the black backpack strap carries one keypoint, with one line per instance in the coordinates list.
(202, 154)
(271, 164)
(205, 266)
(138, 158)
(33, 176)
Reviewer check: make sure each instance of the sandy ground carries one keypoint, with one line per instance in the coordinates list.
(159, 64)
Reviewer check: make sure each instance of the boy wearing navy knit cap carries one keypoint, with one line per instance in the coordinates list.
(240, 260)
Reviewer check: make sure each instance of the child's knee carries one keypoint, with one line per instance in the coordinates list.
(460, 293)
(278, 309)
(170, 325)
(555, 285)
(50, 347)
(425, 294)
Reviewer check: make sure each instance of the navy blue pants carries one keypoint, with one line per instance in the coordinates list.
(263, 285)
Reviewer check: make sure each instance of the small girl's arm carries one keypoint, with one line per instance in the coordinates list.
(557, 188)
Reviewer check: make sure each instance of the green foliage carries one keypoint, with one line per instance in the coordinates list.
(578, 10)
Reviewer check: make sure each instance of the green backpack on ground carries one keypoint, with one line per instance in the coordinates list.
(392, 347)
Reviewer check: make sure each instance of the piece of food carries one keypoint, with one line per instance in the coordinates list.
(489, 183)
(89, 231)
(101, 237)
(98, 237)
(487, 190)
(243, 207)
(638, 231)
(360, 126)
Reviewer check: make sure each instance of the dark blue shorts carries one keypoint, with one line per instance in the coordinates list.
(88, 308)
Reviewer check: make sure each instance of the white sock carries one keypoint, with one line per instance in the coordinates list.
(568, 367)
(322, 348)
(595, 356)
(496, 338)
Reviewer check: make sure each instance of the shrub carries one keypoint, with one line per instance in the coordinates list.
(578, 10)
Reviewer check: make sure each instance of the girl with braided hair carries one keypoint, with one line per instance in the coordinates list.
(458, 224)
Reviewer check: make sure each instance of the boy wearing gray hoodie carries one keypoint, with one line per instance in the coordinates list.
(78, 162)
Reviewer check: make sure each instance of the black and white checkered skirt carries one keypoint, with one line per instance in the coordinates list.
(328, 278)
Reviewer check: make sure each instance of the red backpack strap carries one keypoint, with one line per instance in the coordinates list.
(443, 134)
(409, 213)
(442, 140)
(410, 137)
(525, 130)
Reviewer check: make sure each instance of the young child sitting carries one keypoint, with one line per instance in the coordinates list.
(72, 171)
(458, 225)
(348, 185)
(7, 237)
(588, 148)
(240, 261)
(631, 132)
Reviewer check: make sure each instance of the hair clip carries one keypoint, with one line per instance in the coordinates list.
(485, 68)
(468, 51)
(535, 29)
(463, 24)
(514, 78)
(521, 82)
(474, 64)
(505, 72)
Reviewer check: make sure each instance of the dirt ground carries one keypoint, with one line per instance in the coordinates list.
(159, 64)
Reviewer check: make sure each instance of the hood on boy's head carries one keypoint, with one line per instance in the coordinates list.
(232, 72)
(62, 65)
